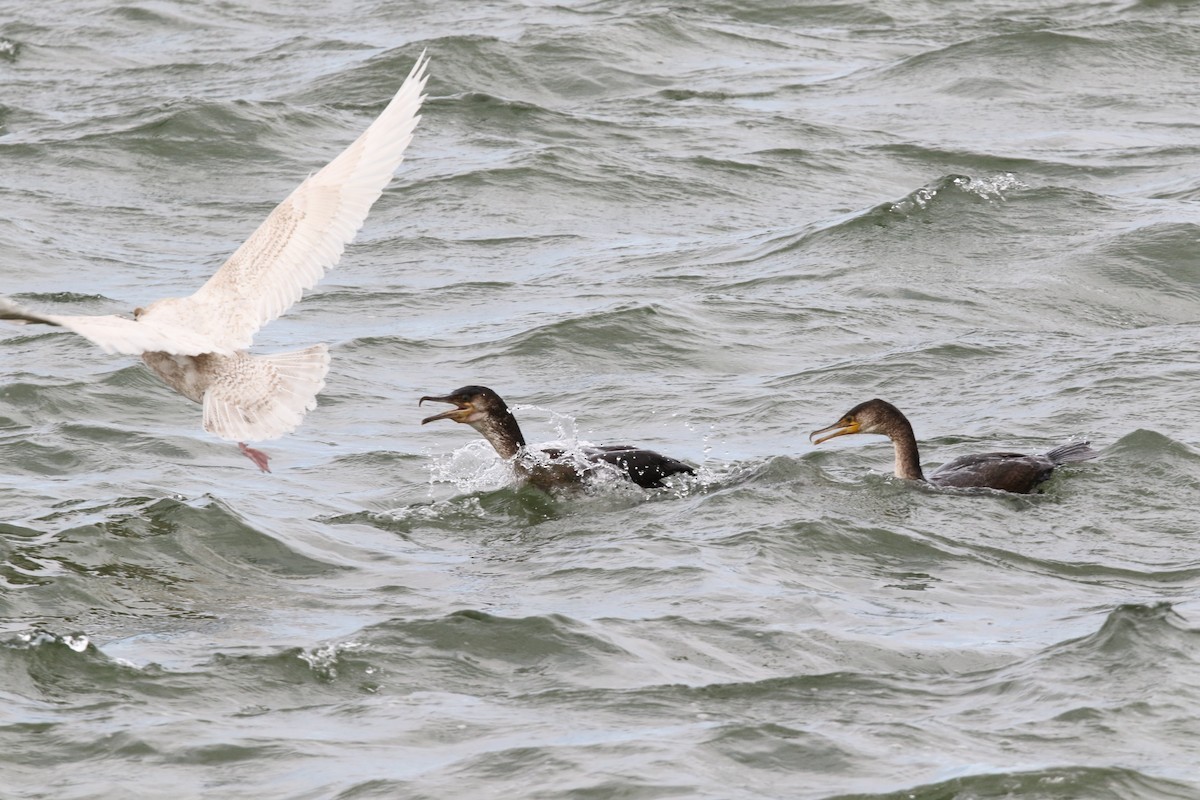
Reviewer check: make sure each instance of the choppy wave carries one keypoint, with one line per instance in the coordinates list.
(567, 683)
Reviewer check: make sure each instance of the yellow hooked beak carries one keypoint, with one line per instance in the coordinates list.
(843, 427)
(464, 409)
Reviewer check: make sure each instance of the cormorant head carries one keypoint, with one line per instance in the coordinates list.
(486, 412)
(474, 403)
(873, 416)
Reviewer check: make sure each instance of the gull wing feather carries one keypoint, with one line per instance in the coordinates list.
(306, 233)
(115, 334)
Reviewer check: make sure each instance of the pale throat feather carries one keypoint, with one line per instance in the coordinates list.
(502, 432)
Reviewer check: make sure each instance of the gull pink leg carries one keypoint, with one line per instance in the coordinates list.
(257, 456)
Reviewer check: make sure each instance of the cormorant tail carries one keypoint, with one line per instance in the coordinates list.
(1075, 451)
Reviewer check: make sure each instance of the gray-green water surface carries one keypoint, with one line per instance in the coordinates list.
(708, 228)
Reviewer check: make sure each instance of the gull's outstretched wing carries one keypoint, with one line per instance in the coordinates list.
(306, 233)
(115, 334)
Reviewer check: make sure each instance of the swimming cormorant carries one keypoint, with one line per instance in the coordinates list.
(197, 344)
(1009, 472)
(486, 412)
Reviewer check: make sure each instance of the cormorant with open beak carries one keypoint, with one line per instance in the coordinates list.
(486, 412)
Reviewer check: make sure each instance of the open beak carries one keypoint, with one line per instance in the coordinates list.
(459, 414)
(843, 427)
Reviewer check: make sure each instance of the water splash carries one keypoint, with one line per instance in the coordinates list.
(42, 638)
(565, 426)
(474, 467)
(323, 660)
(995, 187)
(992, 187)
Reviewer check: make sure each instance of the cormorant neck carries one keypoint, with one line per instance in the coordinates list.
(503, 432)
(908, 460)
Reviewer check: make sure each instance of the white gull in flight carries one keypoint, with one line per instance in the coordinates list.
(197, 344)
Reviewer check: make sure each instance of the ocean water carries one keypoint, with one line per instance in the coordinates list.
(707, 228)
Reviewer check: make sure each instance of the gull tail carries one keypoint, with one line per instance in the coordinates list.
(253, 398)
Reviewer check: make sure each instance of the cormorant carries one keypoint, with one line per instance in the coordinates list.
(486, 412)
(1009, 472)
(197, 344)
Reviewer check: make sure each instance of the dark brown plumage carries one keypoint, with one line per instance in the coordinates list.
(1009, 472)
(486, 412)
